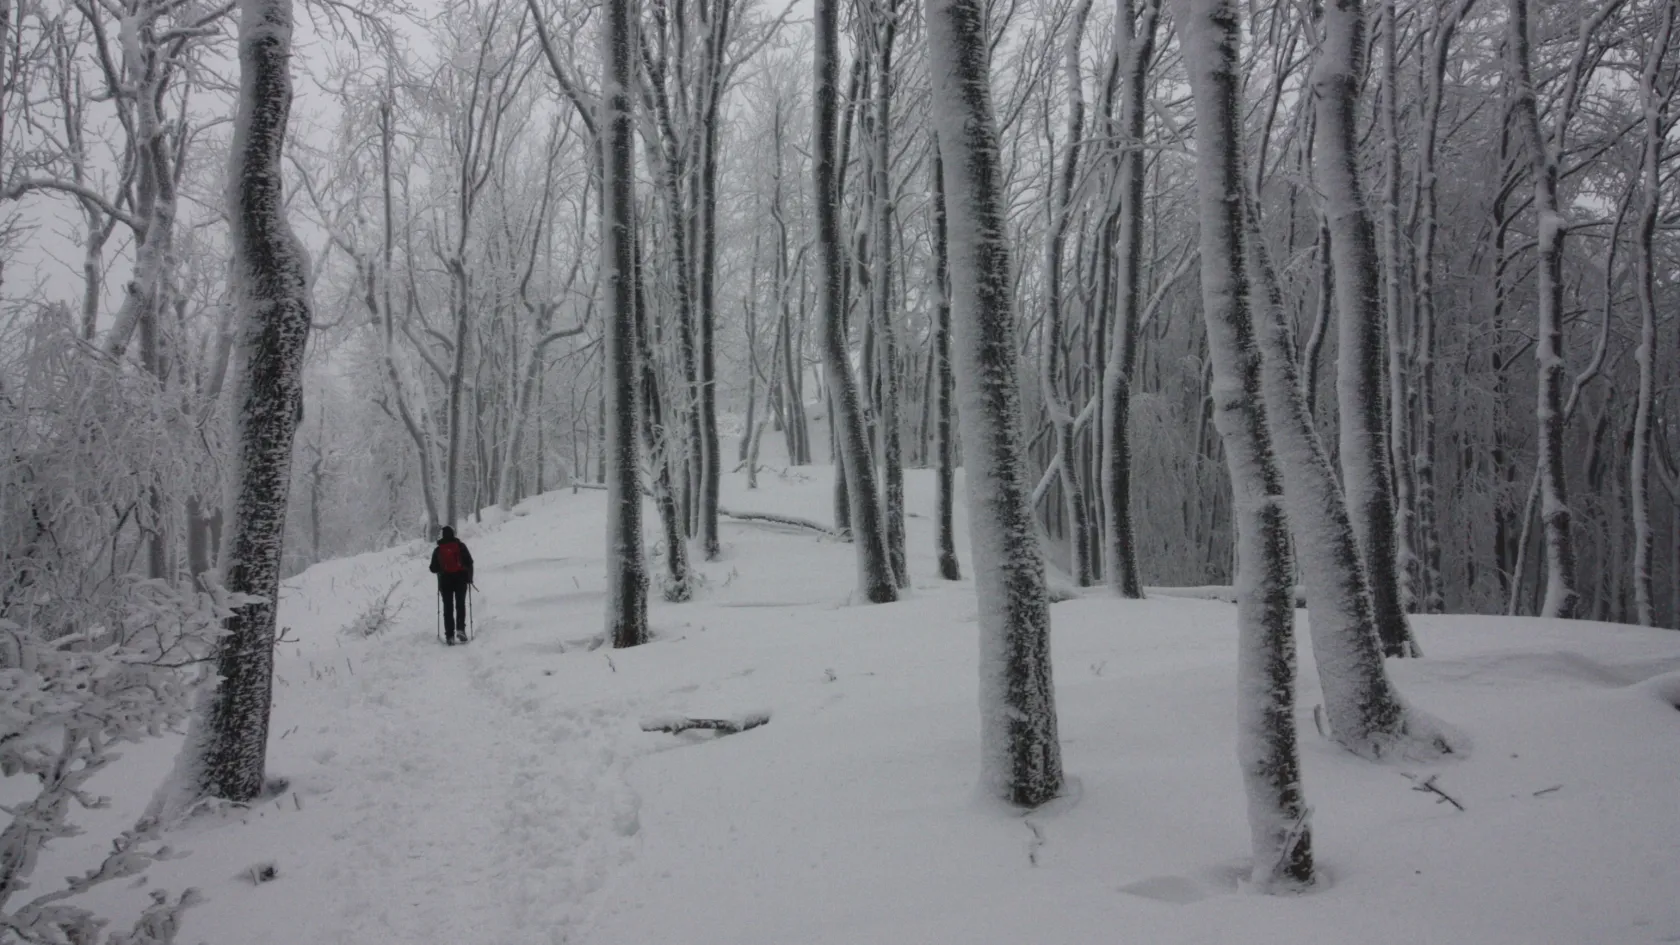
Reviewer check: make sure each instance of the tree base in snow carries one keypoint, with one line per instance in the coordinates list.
(1417, 737)
(675, 724)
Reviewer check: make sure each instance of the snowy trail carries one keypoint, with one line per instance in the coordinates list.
(489, 816)
(504, 794)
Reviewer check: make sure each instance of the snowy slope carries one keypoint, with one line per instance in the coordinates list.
(504, 794)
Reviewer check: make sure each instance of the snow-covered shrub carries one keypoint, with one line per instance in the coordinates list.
(378, 616)
(70, 691)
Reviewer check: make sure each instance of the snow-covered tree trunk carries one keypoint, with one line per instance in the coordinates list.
(944, 474)
(1050, 342)
(1366, 474)
(1021, 754)
(892, 445)
(1561, 598)
(1277, 811)
(1655, 105)
(863, 502)
(1312, 352)
(626, 616)
(715, 18)
(1427, 203)
(1365, 713)
(1399, 420)
(1135, 39)
(226, 753)
(676, 585)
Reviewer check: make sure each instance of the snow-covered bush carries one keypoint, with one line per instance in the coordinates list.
(378, 616)
(70, 691)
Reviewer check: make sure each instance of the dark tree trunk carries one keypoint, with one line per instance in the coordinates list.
(945, 476)
(875, 576)
(272, 290)
(1137, 48)
(626, 616)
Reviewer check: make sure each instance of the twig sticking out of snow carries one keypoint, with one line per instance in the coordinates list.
(1035, 843)
(1428, 786)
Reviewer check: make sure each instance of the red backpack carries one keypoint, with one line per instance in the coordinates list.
(449, 558)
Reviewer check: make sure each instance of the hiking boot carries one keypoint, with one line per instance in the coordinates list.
(449, 641)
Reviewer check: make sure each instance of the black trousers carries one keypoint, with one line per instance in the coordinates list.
(454, 608)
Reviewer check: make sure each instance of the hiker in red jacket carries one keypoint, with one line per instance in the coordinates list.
(453, 564)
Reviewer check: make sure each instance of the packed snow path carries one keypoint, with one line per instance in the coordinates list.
(494, 821)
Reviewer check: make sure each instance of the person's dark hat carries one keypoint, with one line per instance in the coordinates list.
(446, 533)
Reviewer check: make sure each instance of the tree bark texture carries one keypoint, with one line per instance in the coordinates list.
(271, 281)
(1366, 472)
(626, 615)
(863, 502)
(1277, 811)
(1021, 754)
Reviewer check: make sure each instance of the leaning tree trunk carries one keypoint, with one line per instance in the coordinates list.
(1021, 758)
(1277, 811)
(626, 616)
(945, 474)
(226, 753)
(1366, 474)
(863, 501)
(1135, 36)
(1365, 713)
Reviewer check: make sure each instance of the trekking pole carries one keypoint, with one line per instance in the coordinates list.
(440, 618)
(472, 628)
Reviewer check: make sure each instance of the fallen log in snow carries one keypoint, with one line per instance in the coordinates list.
(791, 521)
(678, 723)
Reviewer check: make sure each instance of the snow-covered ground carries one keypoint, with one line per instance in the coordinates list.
(504, 794)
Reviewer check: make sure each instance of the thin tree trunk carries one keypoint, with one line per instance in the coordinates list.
(1135, 39)
(1050, 342)
(1366, 473)
(676, 585)
(1561, 597)
(1424, 276)
(875, 575)
(1655, 105)
(626, 611)
(945, 475)
(1399, 421)
(892, 447)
